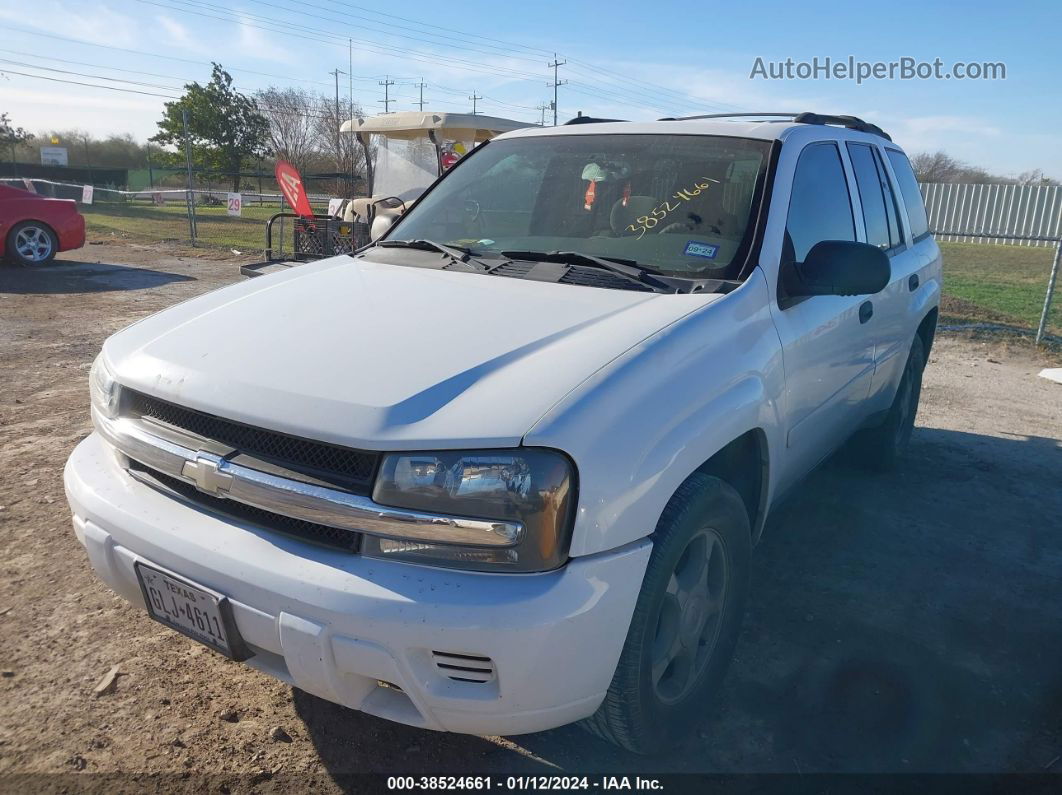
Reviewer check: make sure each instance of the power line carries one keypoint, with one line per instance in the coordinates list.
(169, 58)
(88, 85)
(632, 96)
(286, 28)
(654, 88)
(261, 104)
(446, 40)
(93, 77)
(440, 27)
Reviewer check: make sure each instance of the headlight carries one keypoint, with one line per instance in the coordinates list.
(104, 391)
(530, 486)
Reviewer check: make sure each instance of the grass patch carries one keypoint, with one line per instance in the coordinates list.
(151, 224)
(998, 284)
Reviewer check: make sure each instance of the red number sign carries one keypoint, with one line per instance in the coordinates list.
(291, 185)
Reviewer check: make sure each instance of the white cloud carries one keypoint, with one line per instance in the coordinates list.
(177, 32)
(254, 42)
(39, 109)
(89, 22)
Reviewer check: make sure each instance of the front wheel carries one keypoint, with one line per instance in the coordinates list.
(31, 243)
(686, 620)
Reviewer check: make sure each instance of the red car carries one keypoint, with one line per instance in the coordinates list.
(34, 228)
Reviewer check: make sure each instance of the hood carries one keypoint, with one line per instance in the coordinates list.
(381, 356)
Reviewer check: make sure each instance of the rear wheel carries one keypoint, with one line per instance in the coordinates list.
(686, 620)
(881, 448)
(31, 243)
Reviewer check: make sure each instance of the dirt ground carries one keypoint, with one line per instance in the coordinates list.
(905, 622)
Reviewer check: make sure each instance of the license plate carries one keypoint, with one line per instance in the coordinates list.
(200, 613)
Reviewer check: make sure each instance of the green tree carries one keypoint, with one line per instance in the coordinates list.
(224, 126)
(11, 136)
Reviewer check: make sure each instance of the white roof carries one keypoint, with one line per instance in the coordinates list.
(414, 123)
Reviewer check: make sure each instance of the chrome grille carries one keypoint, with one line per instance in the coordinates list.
(341, 466)
(335, 537)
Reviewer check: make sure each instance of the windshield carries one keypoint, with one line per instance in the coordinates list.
(681, 204)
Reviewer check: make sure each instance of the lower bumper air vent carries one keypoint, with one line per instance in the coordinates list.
(464, 667)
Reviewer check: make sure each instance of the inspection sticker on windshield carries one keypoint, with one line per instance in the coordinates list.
(706, 250)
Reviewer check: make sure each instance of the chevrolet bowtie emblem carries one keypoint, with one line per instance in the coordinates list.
(204, 472)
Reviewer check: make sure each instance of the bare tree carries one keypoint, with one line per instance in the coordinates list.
(939, 166)
(292, 116)
(343, 150)
(935, 166)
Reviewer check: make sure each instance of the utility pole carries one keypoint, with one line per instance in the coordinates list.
(475, 98)
(387, 95)
(556, 83)
(350, 103)
(339, 122)
(421, 85)
(542, 111)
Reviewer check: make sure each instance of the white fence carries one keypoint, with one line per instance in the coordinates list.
(1010, 211)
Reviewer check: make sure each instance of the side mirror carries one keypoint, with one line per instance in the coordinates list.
(839, 267)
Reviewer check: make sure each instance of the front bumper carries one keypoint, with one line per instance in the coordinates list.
(350, 629)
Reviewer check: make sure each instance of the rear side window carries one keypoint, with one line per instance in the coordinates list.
(880, 210)
(892, 207)
(870, 195)
(819, 207)
(912, 196)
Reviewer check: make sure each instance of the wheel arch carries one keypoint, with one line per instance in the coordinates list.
(6, 245)
(927, 330)
(744, 463)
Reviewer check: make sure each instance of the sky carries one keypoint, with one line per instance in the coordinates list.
(632, 60)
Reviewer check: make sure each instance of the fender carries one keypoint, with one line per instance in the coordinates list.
(642, 425)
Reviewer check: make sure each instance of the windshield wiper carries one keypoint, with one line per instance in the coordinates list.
(639, 273)
(457, 254)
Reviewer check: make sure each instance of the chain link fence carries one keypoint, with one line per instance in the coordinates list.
(211, 218)
(1009, 286)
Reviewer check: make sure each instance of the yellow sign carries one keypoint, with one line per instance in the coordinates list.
(55, 139)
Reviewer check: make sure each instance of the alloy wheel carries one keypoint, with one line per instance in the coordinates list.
(33, 244)
(690, 617)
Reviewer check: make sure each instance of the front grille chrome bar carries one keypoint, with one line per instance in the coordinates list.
(219, 477)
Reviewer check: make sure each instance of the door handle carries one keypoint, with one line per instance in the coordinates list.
(866, 311)
(912, 283)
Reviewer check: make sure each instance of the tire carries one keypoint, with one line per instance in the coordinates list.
(651, 703)
(880, 449)
(31, 244)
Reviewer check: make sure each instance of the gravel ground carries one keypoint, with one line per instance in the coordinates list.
(898, 623)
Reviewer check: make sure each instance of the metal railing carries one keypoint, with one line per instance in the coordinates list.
(1029, 215)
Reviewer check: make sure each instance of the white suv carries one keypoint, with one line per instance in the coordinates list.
(504, 469)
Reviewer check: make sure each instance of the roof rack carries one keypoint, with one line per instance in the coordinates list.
(581, 119)
(726, 116)
(848, 122)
